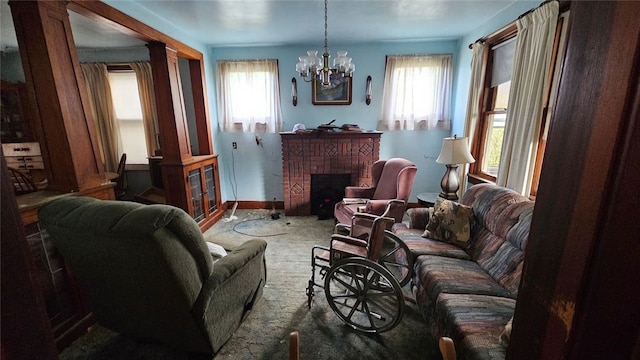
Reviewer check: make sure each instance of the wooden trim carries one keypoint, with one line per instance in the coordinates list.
(99, 11)
(476, 179)
(582, 248)
(201, 109)
(250, 204)
(119, 68)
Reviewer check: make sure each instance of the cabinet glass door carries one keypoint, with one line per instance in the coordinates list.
(197, 200)
(209, 176)
(51, 276)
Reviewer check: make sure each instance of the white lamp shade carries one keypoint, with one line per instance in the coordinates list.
(455, 150)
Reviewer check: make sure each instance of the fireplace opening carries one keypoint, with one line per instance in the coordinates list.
(326, 191)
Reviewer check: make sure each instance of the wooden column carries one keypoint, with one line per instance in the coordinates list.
(56, 87)
(26, 332)
(172, 121)
(580, 291)
(198, 88)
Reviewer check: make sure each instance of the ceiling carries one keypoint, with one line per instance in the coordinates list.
(285, 22)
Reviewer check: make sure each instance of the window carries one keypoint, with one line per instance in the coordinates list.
(494, 111)
(522, 170)
(128, 113)
(249, 96)
(417, 93)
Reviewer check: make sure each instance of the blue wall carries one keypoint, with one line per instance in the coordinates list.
(258, 169)
(254, 172)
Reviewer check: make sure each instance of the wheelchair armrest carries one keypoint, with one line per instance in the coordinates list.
(341, 245)
(348, 239)
(392, 204)
(342, 229)
(383, 207)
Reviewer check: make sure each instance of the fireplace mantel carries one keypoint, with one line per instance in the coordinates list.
(324, 152)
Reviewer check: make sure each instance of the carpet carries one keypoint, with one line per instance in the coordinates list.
(264, 334)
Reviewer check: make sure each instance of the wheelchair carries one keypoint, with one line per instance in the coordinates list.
(362, 273)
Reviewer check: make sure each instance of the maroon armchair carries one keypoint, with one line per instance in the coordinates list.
(392, 182)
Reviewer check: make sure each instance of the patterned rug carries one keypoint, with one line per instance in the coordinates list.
(282, 309)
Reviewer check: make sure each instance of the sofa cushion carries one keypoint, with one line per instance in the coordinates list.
(418, 217)
(503, 219)
(424, 246)
(475, 323)
(450, 222)
(434, 275)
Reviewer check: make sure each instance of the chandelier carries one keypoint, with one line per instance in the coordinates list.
(316, 67)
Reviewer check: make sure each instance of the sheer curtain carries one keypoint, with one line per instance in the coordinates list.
(95, 75)
(531, 63)
(473, 105)
(416, 93)
(148, 103)
(249, 96)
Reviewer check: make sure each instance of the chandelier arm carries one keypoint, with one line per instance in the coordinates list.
(310, 65)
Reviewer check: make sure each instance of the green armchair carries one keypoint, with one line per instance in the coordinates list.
(149, 274)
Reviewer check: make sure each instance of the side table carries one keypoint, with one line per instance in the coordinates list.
(427, 199)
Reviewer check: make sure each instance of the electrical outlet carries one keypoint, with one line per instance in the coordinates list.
(235, 145)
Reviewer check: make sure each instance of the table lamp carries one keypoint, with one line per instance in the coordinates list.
(454, 151)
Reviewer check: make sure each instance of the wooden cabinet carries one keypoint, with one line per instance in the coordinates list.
(65, 300)
(27, 158)
(14, 113)
(62, 296)
(203, 189)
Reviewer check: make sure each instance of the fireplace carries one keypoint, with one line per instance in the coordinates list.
(335, 154)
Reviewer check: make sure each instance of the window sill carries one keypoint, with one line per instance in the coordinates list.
(475, 179)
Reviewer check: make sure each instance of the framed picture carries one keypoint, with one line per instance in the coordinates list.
(338, 93)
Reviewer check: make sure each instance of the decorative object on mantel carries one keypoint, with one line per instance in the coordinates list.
(328, 126)
(368, 91)
(350, 127)
(299, 127)
(318, 68)
(294, 91)
(454, 151)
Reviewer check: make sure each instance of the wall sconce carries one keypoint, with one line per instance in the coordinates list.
(368, 91)
(294, 91)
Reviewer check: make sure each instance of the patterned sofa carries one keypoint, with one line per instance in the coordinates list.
(468, 292)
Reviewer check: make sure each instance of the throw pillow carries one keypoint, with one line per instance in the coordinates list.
(505, 337)
(450, 222)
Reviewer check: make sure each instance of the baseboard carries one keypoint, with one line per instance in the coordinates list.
(278, 204)
(228, 205)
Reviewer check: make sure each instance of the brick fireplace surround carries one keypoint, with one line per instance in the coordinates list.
(324, 152)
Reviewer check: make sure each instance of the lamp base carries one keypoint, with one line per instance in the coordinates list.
(450, 183)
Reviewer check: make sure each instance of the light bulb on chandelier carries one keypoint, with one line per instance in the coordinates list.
(313, 66)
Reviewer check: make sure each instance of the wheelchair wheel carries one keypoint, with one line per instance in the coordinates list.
(364, 295)
(396, 257)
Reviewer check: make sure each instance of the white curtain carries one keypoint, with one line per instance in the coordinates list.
(416, 93)
(531, 63)
(473, 105)
(249, 96)
(148, 104)
(95, 75)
